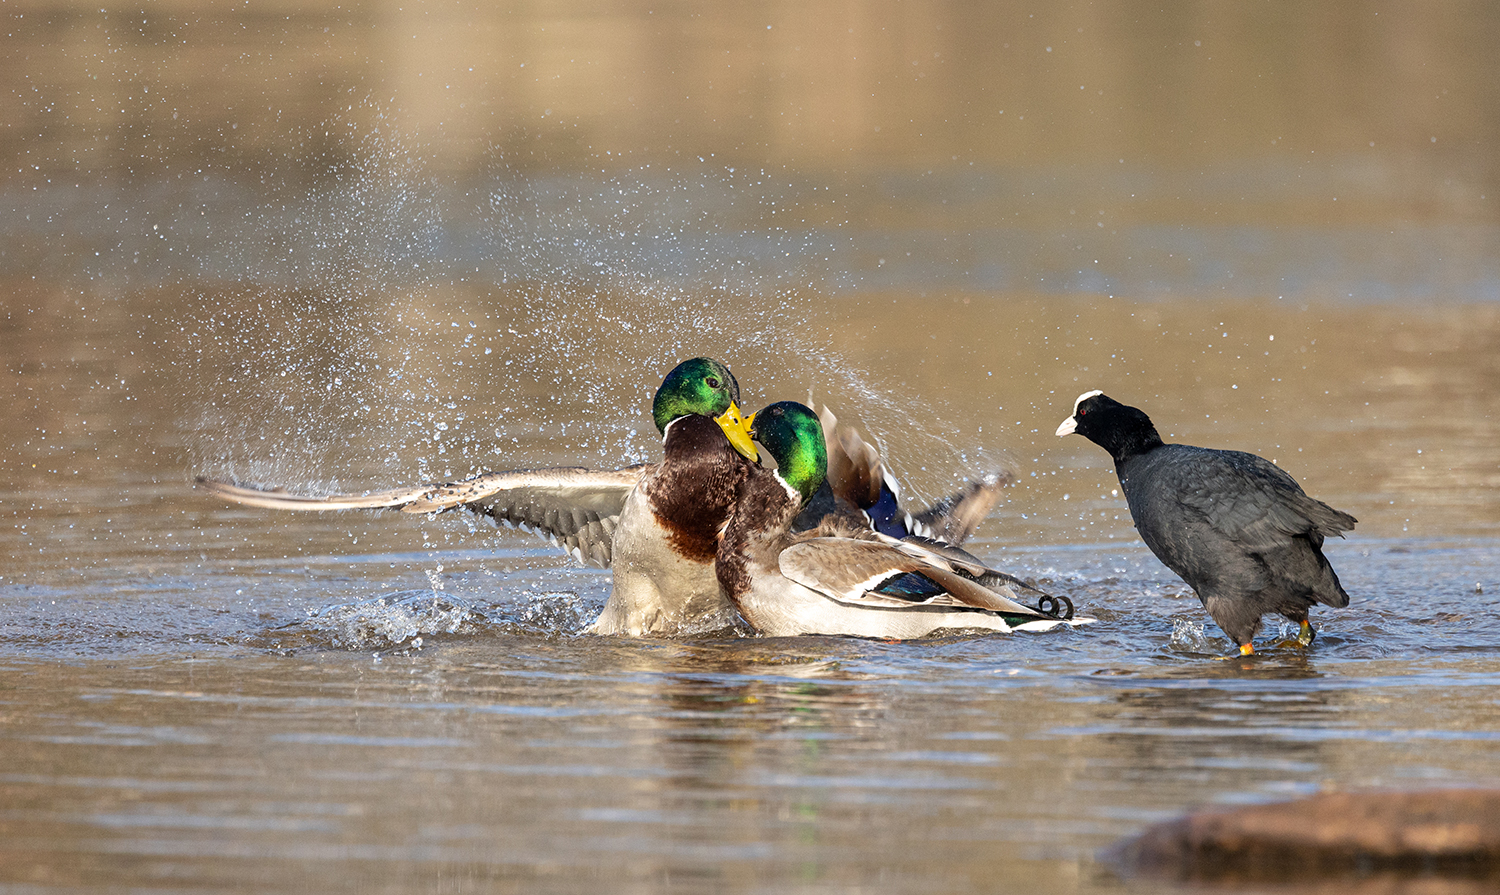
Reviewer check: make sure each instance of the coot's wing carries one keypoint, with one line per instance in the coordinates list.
(577, 509)
(1252, 500)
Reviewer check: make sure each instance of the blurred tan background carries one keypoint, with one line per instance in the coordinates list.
(1402, 98)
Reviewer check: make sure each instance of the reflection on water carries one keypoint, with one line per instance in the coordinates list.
(722, 762)
(335, 247)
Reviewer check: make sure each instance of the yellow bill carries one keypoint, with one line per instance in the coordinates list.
(737, 430)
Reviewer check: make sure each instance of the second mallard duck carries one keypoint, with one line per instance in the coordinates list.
(839, 579)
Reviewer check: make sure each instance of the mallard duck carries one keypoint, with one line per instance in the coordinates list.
(1234, 526)
(655, 525)
(838, 579)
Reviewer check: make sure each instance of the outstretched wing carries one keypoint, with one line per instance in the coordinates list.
(879, 573)
(577, 509)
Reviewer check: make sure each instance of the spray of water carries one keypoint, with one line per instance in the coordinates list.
(390, 324)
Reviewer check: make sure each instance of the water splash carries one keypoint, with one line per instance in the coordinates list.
(1189, 636)
(559, 612)
(393, 322)
(393, 620)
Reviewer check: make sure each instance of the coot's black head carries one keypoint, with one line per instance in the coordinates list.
(1122, 430)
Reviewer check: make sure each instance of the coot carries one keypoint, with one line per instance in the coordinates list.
(1235, 526)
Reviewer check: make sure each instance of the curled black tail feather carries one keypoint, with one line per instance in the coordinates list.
(1060, 607)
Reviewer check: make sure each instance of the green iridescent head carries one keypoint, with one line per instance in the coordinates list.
(791, 433)
(703, 386)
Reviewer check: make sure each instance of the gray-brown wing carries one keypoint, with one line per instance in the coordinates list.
(577, 509)
(857, 478)
(855, 471)
(954, 518)
(859, 572)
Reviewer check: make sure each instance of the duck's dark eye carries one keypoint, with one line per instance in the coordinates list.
(712, 382)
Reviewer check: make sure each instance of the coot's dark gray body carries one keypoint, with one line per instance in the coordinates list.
(1236, 527)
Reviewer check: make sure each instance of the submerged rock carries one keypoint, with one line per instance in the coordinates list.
(1437, 832)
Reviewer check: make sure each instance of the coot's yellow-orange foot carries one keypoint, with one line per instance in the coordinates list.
(1246, 649)
(1303, 640)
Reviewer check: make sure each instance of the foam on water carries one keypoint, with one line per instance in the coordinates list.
(412, 619)
(393, 620)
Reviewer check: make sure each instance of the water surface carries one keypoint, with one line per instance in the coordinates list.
(342, 248)
(249, 700)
